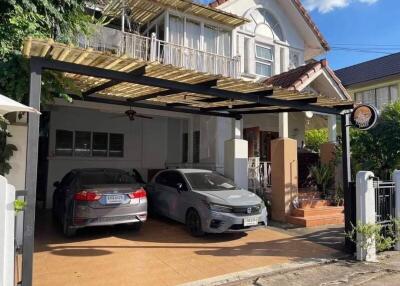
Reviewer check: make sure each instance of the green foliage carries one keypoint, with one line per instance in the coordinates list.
(378, 149)
(19, 206)
(59, 20)
(315, 137)
(6, 150)
(370, 233)
(322, 176)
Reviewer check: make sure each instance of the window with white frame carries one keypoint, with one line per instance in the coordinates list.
(264, 60)
(378, 97)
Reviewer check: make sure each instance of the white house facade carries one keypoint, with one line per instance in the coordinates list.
(270, 42)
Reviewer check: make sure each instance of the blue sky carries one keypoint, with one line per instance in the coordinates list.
(372, 26)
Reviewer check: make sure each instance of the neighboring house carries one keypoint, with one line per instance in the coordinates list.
(375, 82)
(272, 42)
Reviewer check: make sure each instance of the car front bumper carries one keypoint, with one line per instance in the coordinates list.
(219, 222)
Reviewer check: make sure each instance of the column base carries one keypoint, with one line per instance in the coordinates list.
(235, 161)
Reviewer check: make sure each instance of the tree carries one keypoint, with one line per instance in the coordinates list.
(378, 149)
(315, 137)
(60, 20)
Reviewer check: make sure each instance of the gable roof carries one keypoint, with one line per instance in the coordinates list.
(295, 79)
(303, 12)
(370, 70)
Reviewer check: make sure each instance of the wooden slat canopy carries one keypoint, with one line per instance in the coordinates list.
(144, 11)
(107, 88)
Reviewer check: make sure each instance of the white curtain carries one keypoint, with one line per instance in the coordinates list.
(210, 39)
(224, 43)
(175, 30)
(382, 97)
(394, 93)
(193, 34)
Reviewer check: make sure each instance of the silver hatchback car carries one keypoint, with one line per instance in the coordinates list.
(93, 197)
(205, 201)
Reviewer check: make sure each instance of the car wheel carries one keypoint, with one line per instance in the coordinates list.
(67, 229)
(193, 223)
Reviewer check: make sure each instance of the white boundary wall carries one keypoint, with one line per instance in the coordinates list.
(7, 224)
(396, 179)
(365, 211)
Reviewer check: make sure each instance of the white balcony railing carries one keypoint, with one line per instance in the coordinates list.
(153, 49)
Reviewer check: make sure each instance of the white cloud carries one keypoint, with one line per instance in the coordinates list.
(325, 6)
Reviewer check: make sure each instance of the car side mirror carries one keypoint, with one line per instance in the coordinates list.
(56, 184)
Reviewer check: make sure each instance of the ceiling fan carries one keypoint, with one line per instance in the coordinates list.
(131, 114)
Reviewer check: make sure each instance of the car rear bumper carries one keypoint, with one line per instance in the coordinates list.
(79, 222)
(218, 222)
(84, 215)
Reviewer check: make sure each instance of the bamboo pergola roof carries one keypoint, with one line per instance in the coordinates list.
(105, 88)
(144, 11)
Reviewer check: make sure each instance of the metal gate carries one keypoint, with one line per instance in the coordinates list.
(384, 201)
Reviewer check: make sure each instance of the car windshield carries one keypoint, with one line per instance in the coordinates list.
(209, 181)
(105, 178)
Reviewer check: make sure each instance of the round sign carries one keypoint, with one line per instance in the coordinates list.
(364, 116)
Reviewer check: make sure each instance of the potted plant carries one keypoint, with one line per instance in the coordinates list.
(322, 177)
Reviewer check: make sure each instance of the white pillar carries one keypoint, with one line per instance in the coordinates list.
(236, 156)
(237, 129)
(7, 223)
(396, 179)
(283, 125)
(190, 140)
(332, 128)
(365, 212)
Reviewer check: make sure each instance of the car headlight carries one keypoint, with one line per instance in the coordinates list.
(219, 208)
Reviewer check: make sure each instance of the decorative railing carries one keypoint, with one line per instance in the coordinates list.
(259, 174)
(153, 49)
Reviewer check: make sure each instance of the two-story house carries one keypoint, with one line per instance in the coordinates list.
(238, 45)
(375, 82)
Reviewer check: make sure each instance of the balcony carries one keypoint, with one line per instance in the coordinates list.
(151, 49)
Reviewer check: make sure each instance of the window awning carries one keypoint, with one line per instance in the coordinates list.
(104, 76)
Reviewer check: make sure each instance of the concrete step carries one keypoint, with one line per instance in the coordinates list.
(316, 203)
(320, 211)
(316, 220)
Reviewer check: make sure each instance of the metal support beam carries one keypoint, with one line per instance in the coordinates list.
(31, 174)
(156, 107)
(139, 71)
(167, 92)
(278, 110)
(349, 203)
(180, 86)
(153, 95)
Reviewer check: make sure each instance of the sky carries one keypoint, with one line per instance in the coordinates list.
(357, 30)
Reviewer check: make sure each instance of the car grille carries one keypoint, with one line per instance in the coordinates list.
(247, 210)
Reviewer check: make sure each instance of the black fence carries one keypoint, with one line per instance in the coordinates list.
(384, 201)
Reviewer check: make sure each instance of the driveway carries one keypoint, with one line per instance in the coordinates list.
(162, 253)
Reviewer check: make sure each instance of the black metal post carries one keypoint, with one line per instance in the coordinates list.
(349, 203)
(31, 174)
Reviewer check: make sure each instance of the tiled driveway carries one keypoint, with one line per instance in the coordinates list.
(162, 253)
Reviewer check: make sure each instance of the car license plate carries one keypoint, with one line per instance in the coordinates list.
(114, 199)
(251, 220)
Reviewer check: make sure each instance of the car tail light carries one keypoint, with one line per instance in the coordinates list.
(87, 196)
(139, 193)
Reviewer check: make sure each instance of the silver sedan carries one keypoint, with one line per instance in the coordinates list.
(205, 201)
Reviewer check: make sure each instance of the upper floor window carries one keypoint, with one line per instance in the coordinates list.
(378, 97)
(264, 24)
(264, 60)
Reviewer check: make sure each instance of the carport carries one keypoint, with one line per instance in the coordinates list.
(106, 78)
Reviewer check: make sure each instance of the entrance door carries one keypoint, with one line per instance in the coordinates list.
(265, 144)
